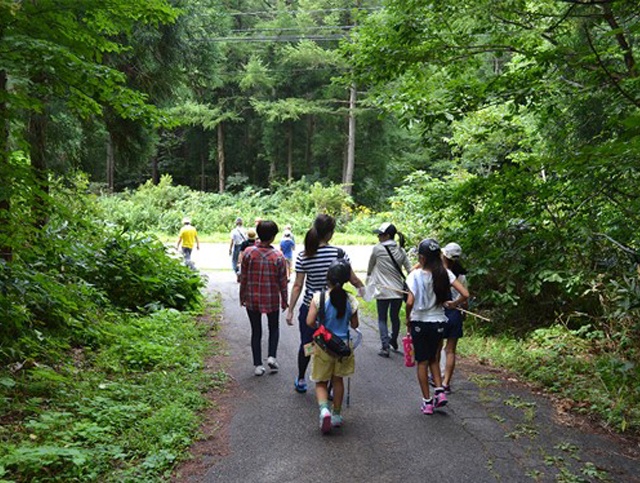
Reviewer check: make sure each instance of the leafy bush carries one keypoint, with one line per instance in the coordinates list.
(161, 208)
(75, 273)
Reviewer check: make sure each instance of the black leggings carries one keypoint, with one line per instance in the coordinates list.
(255, 318)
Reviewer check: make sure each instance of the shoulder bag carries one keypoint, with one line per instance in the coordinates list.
(405, 287)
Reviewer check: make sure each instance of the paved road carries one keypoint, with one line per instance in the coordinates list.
(491, 431)
(215, 256)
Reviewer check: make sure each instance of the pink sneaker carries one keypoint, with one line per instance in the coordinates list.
(427, 407)
(441, 399)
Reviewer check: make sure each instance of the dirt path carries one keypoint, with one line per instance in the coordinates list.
(494, 429)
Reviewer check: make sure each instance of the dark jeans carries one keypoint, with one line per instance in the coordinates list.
(255, 318)
(392, 307)
(306, 336)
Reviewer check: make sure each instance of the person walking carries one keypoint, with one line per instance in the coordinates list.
(311, 274)
(429, 288)
(453, 332)
(188, 237)
(263, 290)
(385, 274)
(238, 235)
(340, 312)
(286, 247)
(249, 242)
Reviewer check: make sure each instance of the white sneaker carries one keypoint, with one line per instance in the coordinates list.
(325, 420)
(260, 370)
(273, 364)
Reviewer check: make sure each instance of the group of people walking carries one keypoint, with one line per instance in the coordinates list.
(434, 290)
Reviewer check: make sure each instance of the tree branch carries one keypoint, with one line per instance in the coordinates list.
(622, 40)
(606, 70)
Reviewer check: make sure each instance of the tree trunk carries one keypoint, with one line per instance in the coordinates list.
(155, 171)
(6, 252)
(203, 165)
(221, 174)
(347, 182)
(36, 136)
(290, 151)
(311, 126)
(111, 163)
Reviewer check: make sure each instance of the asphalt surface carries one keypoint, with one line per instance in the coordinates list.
(493, 429)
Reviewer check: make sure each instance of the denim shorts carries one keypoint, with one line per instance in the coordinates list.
(453, 330)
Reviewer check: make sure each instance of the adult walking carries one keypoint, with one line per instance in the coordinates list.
(429, 294)
(385, 274)
(238, 235)
(188, 238)
(311, 274)
(263, 290)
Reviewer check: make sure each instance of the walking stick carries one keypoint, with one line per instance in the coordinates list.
(481, 317)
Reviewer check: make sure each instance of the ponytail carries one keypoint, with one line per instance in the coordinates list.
(311, 242)
(401, 239)
(441, 284)
(457, 268)
(323, 226)
(338, 297)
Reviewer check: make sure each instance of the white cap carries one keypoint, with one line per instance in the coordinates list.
(186, 220)
(452, 251)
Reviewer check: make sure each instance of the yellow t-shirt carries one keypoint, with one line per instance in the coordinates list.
(188, 236)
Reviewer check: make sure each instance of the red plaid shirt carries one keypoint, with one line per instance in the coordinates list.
(263, 279)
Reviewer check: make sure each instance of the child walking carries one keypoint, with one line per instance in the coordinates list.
(429, 288)
(263, 290)
(341, 310)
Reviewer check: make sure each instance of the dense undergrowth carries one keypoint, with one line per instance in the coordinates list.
(160, 209)
(101, 353)
(123, 411)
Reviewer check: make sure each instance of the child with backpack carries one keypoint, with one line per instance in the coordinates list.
(340, 312)
(429, 293)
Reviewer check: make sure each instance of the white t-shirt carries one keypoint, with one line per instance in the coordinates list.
(425, 309)
(238, 235)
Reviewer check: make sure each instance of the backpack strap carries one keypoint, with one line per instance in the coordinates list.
(321, 313)
(395, 263)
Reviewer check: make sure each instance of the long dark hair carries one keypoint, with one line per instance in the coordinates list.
(338, 274)
(401, 239)
(322, 226)
(441, 286)
(457, 268)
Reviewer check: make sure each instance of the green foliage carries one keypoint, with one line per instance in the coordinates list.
(160, 208)
(76, 275)
(106, 417)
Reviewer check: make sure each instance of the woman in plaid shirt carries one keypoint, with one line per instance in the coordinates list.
(263, 290)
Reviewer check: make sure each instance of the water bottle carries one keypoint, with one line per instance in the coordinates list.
(407, 345)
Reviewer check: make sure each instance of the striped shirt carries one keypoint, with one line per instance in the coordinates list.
(315, 268)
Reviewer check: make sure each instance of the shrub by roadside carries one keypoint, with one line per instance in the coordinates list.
(123, 412)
